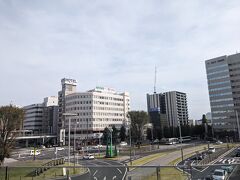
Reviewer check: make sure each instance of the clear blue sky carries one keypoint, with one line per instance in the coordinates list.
(115, 44)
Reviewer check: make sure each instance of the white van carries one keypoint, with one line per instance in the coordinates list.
(37, 152)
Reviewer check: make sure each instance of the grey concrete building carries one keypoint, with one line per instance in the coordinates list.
(68, 87)
(176, 108)
(33, 118)
(223, 75)
(41, 118)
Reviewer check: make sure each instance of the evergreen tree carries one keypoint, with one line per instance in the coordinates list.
(122, 134)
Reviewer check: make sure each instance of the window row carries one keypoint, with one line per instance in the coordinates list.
(221, 100)
(220, 88)
(218, 77)
(220, 94)
(218, 83)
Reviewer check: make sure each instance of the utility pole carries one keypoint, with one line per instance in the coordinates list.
(155, 79)
(180, 135)
(238, 125)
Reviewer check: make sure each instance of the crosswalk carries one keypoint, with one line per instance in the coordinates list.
(228, 161)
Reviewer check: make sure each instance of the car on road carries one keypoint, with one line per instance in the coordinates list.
(229, 169)
(60, 148)
(88, 157)
(42, 147)
(219, 174)
(97, 146)
(238, 152)
(211, 150)
(123, 143)
(219, 142)
(36, 152)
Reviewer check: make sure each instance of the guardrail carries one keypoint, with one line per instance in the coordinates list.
(46, 166)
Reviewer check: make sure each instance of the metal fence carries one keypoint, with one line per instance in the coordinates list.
(193, 172)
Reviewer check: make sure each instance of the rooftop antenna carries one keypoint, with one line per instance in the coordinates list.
(155, 79)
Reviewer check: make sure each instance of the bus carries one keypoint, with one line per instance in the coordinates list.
(185, 139)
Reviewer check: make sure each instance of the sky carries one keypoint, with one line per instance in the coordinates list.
(115, 44)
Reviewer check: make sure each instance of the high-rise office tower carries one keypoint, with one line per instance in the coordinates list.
(167, 109)
(157, 111)
(223, 75)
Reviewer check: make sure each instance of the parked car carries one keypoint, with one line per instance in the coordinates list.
(88, 156)
(37, 152)
(219, 174)
(211, 150)
(123, 143)
(229, 169)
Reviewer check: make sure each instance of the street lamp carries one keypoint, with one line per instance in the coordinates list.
(69, 125)
(130, 141)
(180, 135)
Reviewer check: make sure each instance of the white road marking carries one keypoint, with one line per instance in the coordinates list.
(220, 160)
(105, 178)
(119, 171)
(95, 178)
(95, 173)
(114, 177)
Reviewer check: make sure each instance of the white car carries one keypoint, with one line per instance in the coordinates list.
(219, 174)
(123, 143)
(60, 148)
(211, 150)
(88, 156)
(219, 142)
(37, 152)
(97, 146)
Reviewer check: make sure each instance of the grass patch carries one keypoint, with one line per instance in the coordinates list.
(24, 173)
(146, 159)
(168, 173)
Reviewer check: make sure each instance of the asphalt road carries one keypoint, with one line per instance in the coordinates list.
(106, 171)
(205, 171)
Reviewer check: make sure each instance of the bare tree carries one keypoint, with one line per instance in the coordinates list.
(10, 120)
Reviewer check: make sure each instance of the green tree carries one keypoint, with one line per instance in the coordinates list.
(10, 120)
(122, 134)
(138, 120)
(114, 134)
(205, 126)
(149, 134)
(105, 135)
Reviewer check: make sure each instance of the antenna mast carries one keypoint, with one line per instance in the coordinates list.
(155, 79)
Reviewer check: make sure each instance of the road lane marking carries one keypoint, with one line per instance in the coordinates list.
(105, 178)
(119, 171)
(94, 178)
(114, 177)
(95, 173)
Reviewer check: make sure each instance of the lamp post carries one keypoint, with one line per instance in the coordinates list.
(130, 141)
(69, 127)
(180, 135)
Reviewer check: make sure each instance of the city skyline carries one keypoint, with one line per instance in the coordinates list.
(114, 45)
